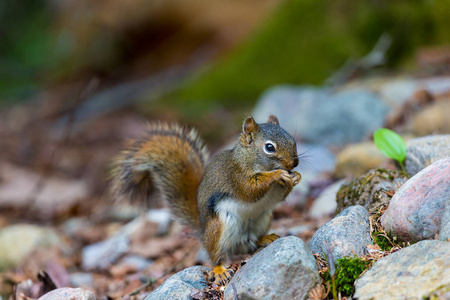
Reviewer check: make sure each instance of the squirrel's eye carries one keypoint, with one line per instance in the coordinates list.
(269, 148)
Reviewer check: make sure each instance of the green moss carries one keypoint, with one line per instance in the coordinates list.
(26, 42)
(305, 41)
(369, 190)
(348, 270)
(381, 240)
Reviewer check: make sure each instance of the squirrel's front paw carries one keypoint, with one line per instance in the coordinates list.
(285, 178)
(295, 177)
(221, 275)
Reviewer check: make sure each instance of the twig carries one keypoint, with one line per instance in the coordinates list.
(142, 287)
(374, 58)
(383, 233)
(132, 92)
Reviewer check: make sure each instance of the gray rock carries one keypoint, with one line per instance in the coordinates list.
(180, 285)
(346, 233)
(74, 225)
(407, 274)
(81, 279)
(319, 115)
(102, 254)
(444, 232)
(326, 204)
(315, 158)
(136, 261)
(397, 91)
(68, 293)
(283, 270)
(422, 152)
(18, 241)
(415, 211)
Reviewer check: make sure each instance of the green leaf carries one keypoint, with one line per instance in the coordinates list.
(390, 144)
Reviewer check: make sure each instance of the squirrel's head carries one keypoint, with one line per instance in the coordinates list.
(269, 145)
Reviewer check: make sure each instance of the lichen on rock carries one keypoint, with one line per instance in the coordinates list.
(370, 190)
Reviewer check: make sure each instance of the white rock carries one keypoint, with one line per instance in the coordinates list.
(69, 294)
(326, 204)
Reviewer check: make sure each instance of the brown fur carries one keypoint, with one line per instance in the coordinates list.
(240, 174)
(257, 184)
(169, 160)
(211, 239)
(231, 204)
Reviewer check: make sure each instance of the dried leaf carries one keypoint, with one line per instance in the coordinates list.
(318, 293)
(374, 247)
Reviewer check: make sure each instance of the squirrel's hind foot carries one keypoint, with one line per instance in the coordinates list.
(267, 240)
(221, 275)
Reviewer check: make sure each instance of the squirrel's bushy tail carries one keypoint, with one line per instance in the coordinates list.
(169, 161)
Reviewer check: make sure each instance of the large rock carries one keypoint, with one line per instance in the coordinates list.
(407, 274)
(415, 211)
(422, 152)
(396, 91)
(180, 285)
(431, 120)
(283, 270)
(68, 293)
(18, 241)
(326, 204)
(369, 190)
(358, 159)
(320, 115)
(347, 233)
(444, 232)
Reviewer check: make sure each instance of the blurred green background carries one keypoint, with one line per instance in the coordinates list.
(229, 52)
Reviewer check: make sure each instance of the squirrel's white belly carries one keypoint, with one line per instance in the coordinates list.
(246, 222)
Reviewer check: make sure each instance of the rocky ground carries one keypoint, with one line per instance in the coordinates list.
(58, 219)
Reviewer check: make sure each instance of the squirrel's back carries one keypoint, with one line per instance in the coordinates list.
(169, 160)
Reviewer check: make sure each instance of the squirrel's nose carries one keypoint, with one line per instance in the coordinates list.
(295, 162)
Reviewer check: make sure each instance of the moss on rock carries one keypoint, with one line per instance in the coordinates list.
(369, 190)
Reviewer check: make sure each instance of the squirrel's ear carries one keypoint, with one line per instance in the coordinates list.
(274, 120)
(249, 127)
